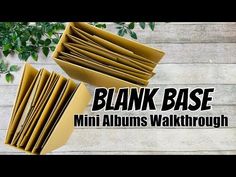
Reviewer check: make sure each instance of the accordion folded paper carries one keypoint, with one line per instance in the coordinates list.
(101, 58)
(42, 117)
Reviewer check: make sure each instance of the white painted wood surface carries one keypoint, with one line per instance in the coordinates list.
(197, 55)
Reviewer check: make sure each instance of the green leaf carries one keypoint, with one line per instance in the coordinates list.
(9, 77)
(133, 35)
(14, 68)
(6, 53)
(104, 26)
(24, 56)
(34, 55)
(38, 35)
(32, 41)
(142, 25)
(20, 56)
(60, 26)
(131, 25)
(29, 48)
(25, 37)
(121, 32)
(52, 48)
(41, 42)
(45, 51)
(49, 30)
(18, 43)
(55, 40)
(6, 47)
(23, 43)
(101, 25)
(3, 66)
(152, 25)
(47, 42)
(6, 40)
(14, 36)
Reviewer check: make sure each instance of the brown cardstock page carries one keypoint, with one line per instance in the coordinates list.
(137, 48)
(15, 120)
(107, 64)
(28, 76)
(43, 123)
(73, 57)
(83, 36)
(117, 55)
(55, 121)
(34, 117)
(32, 112)
(105, 69)
(139, 66)
(35, 93)
(43, 81)
(101, 57)
(95, 77)
(52, 122)
(104, 43)
(28, 106)
(77, 104)
(64, 125)
(109, 45)
(42, 110)
(45, 113)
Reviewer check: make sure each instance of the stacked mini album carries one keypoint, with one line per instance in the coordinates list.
(100, 58)
(42, 117)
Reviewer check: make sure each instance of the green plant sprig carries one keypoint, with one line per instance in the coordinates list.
(127, 28)
(6, 69)
(26, 39)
